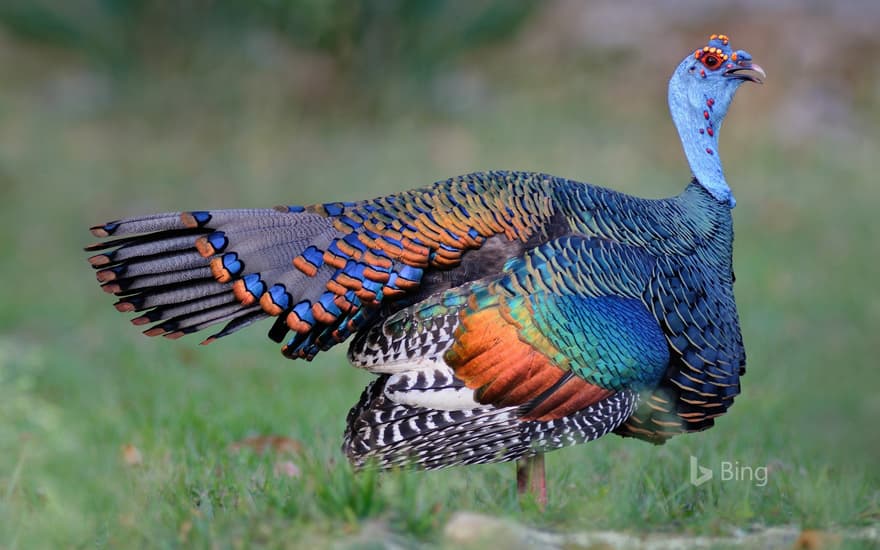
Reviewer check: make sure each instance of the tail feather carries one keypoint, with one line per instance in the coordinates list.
(143, 248)
(143, 224)
(149, 298)
(130, 284)
(236, 324)
(198, 320)
(187, 271)
(326, 269)
(176, 310)
(151, 265)
(166, 221)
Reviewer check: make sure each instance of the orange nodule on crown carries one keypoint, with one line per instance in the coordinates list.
(711, 50)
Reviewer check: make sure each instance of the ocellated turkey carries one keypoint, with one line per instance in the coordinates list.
(505, 314)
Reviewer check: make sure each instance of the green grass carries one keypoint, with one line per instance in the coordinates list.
(77, 383)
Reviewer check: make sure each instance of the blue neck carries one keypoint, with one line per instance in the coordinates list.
(698, 119)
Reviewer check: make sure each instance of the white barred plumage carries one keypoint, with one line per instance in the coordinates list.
(388, 429)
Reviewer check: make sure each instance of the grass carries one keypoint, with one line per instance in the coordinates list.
(77, 384)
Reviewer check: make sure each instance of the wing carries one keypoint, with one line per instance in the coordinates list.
(562, 327)
(550, 352)
(554, 355)
(325, 270)
(695, 306)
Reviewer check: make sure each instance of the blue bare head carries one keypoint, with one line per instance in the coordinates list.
(700, 92)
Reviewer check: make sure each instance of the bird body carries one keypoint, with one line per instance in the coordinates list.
(618, 315)
(504, 313)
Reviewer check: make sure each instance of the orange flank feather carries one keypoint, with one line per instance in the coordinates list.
(489, 357)
(572, 396)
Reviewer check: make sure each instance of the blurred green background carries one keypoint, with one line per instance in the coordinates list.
(122, 107)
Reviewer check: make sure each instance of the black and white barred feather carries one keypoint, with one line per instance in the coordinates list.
(428, 419)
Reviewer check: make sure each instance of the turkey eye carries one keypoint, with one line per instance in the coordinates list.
(711, 61)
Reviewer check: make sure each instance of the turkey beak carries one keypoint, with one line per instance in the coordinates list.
(751, 72)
